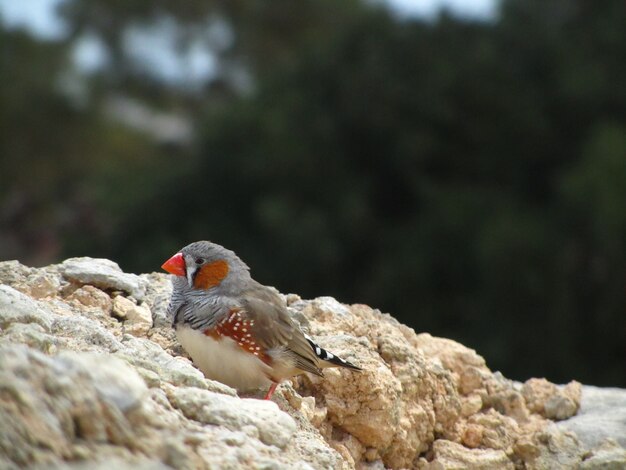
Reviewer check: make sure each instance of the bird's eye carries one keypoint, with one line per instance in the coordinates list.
(199, 260)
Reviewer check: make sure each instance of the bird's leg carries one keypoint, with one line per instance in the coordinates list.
(270, 392)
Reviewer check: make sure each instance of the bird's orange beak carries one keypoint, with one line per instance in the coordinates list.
(175, 265)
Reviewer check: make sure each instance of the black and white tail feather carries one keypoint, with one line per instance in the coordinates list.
(330, 357)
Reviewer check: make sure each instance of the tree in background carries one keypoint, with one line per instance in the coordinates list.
(466, 176)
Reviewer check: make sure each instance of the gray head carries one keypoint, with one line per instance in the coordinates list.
(207, 265)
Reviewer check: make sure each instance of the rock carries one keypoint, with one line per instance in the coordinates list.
(565, 403)
(58, 400)
(13, 273)
(16, 307)
(42, 284)
(158, 292)
(91, 376)
(104, 274)
(179, 371)
(88, 408)
(138, 318)
(602, 415)
(550, 448)
(510, 402)
(30, 334)
(608, 456)
(259, 418)
(497, 431)
(82, 333)
(471, 404)
(328, 306)
(453, 356)
(90, 296)
(400, 400)
(316, 453)
(113, 380)
(551, 401)
(130, 463)
(452, 456)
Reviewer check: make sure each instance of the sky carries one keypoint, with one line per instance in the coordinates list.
(36, 15)
(39, 16)
(196, 65)
(429, 8)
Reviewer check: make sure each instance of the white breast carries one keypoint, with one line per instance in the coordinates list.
(223, 360)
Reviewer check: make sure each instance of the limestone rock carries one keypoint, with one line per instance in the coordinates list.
(258, 418)
(552, 448)
(13, 273)
(452, 456)
(608, 456)
(55, 402)
(397, 404)
(16, 307)
(103, 273)
(91, 376)
(551, 401)
(42, 284)
(158, 292)
(602, 415)
(90, 296)
(138, 318)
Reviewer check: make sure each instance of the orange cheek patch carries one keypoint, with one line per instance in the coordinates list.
(210, 275)
(238, 328)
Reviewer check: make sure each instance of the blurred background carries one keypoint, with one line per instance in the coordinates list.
(459, 164)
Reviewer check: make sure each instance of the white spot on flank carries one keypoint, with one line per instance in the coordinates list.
(318, 351)
(244, 329)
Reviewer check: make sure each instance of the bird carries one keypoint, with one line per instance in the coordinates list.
(236, 330)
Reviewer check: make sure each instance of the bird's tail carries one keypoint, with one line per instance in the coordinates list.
(331, 359)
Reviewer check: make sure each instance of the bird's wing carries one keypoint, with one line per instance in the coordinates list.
(200, 312)
(274, 329)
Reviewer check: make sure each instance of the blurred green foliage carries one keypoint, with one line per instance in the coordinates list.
(468, 177)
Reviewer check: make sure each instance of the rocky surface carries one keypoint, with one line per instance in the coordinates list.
(91, 377)
(602, 416)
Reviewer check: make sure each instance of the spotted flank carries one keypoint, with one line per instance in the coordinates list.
(330, 357)
(239, 328)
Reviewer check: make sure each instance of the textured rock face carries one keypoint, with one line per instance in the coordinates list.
(92, 377)
(602, 415)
